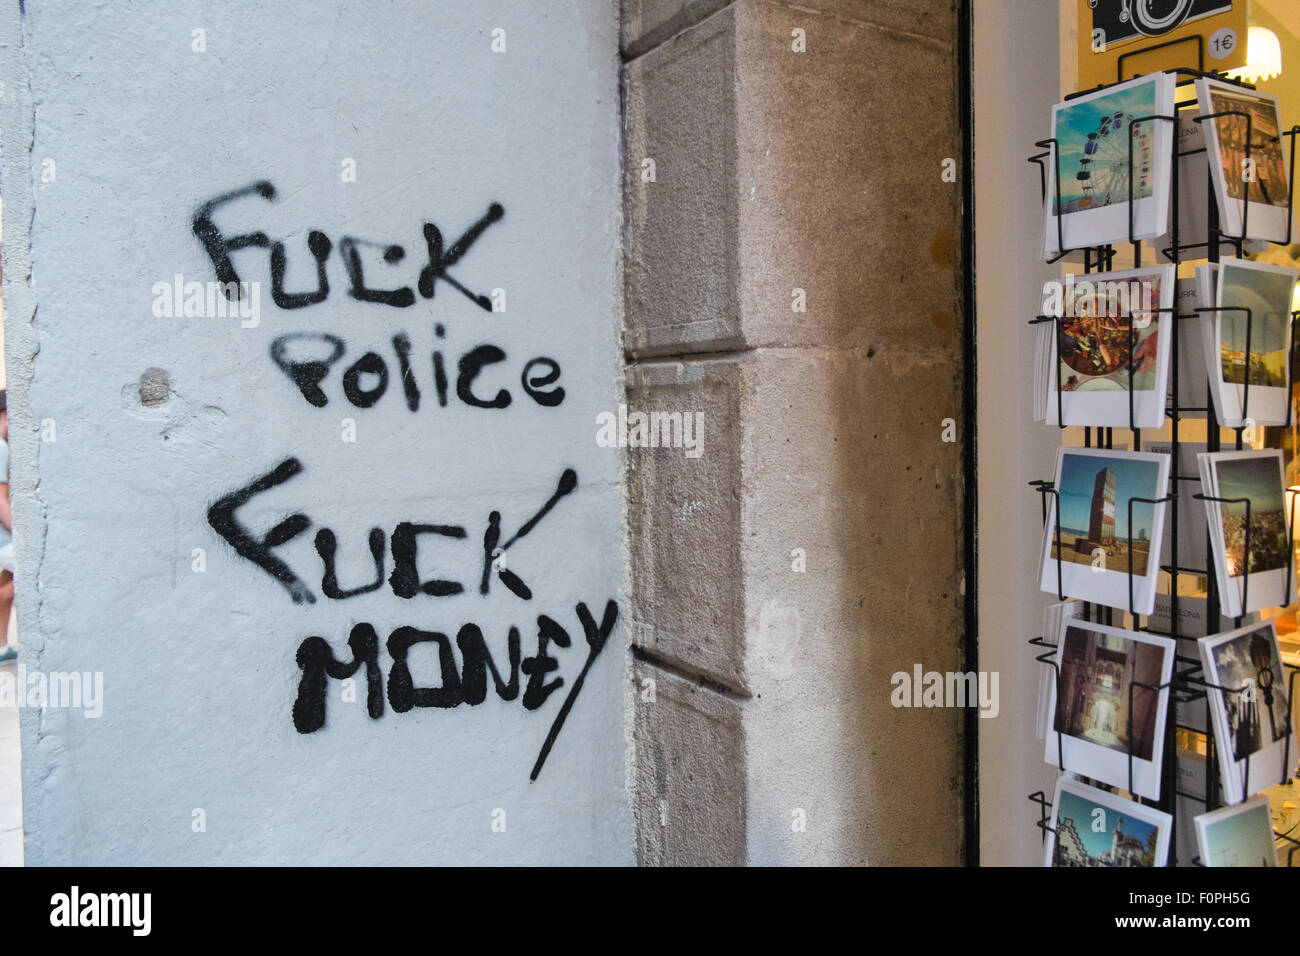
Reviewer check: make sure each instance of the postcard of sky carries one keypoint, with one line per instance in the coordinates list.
(1075, 122)
(1256, 478)
(1133, 479)
(1247, 836)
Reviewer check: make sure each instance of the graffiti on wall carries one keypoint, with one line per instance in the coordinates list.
(321, 372)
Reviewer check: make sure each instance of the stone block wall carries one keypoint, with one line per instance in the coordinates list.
(792, 276)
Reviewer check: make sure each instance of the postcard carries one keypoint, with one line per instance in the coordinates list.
(1191, 775)
(1192, 527)
(1052, 616)
(1110, 329)
(1111, 705)
(1193, 396)
(1250, 334)
(1091, 827)
(1206, 280)
(1192, 610)
(1284, 802)
(1193, 187)
(1237, 836)
(1239, 477)
(1098, 491)
(1099, 172)
(1263, 180)
(1248, 708)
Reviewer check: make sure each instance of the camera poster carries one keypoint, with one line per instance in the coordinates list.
(1110, 29)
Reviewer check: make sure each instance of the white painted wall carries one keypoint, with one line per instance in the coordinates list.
(199, 672)
(1016, 82)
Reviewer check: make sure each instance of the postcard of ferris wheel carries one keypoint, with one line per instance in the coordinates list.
(1109, 146)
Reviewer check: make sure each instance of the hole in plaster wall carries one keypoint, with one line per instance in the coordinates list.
(154, 388)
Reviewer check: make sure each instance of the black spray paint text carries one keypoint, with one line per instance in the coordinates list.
(308, 358)
(440, 257)
(405, 541)
(466, 685)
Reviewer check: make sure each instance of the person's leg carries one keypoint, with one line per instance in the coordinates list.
(6, 597)
(6, 602)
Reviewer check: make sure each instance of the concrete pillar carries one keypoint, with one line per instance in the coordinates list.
(792, 277)
(222, 738)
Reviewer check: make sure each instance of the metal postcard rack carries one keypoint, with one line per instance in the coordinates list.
(1188, 683)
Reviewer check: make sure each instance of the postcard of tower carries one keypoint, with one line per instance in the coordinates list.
(1112, 705)
(1091, 827)
(1109, 526)
(1249, 708)
(1108, 148)
(1251, 334)
(1249, 484)
(1112, 340)
(1237, 836)
(1261, 177)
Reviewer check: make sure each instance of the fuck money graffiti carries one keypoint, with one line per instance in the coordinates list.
(309, 360)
